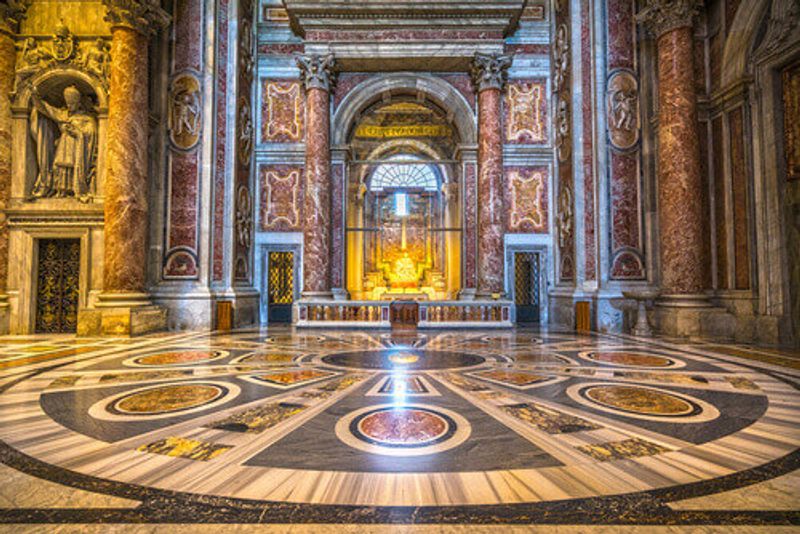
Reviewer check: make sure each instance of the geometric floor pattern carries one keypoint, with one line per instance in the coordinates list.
(352, 427)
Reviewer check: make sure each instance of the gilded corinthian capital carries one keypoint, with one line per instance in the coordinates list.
(143, 16)
(316, 71)
(490, 71)
(11, 14)
(663, 16)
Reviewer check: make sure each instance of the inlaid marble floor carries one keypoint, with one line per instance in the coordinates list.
(437, 428)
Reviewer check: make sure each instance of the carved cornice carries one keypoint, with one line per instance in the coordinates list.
(11, 14)
(490, 71)
(317, 71)
(143, 16)
(663, 16)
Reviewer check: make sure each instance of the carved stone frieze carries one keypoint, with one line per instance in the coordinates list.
(622, 109)
(245, 131)
(490, 71)
(317, 71)
(663, 16)
(185, 110)
(244, 217)
(561, 53)
(143, 16)
(784, 17)
(563, 131)
(565, 218)
(64, 50)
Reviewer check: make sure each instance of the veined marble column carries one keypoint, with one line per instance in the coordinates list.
(317, 75)
(489, 74)
(124, 300)
(11, 13)
(683, 265)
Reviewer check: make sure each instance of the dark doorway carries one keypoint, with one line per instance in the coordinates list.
(57, 286)
(527, 270)
(280, 281)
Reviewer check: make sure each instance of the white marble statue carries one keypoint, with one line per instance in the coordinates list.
(66, 146)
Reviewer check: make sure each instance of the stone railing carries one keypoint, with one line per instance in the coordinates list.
(350, 313)
(470, 314)
(376, 314)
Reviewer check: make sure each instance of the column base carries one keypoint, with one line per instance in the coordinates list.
(5, 315)
(339, 293)
(122, 315)
(699, 322)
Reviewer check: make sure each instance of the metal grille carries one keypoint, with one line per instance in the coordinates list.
(58, 282)
(527, 271)
(281, 277)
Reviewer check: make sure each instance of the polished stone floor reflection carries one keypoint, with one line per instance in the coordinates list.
(491, 427)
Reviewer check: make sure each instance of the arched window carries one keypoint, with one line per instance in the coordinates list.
(404, 175)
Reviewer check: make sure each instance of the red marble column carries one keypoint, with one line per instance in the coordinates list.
(125, 230)
(317, 78)
(683, 269)
(489, 76)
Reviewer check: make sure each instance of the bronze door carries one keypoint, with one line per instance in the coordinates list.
(280, 290)
(527, 267)
(58, 280)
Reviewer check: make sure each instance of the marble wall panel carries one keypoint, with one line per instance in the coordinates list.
(741, 219)
(281, 48)
(221, 136)
(622, 31)
(526, 199)
(283, 112)
(345, 83)
(720, 202)
(470, 224)
(281, 202)
(791, 122)
(525, 112)
(337, 224)
(588, 111)
(185, 125)
(626, 263)
(562, 57)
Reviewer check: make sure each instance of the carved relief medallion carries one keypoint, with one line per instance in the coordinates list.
(622, 109)
(185, 111)
(563, 135)
(245, 132)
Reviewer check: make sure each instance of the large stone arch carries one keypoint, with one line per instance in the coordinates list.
(739, 43)
(435, 89)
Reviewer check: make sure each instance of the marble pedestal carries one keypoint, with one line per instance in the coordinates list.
(122, 315)
(694, 322)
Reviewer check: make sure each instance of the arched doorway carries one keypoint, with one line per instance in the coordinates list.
(404, 228)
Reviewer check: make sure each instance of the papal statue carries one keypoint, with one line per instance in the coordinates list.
(66, 146)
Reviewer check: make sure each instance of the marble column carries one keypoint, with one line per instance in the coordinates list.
(11, 13)
(683, 258)
(489, 74)
(125, 307)
(125, 233)
(317, 75)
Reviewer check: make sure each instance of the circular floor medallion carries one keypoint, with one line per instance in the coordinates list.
(627, 358)
(415, 360)
(640, 400)
(402, 427)
(176, 357)
(166, 399)
(403, 430)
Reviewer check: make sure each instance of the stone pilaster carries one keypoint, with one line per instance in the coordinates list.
(125, 307)
(11, 13)
(489, 74)
(683, 265)
(317, 75)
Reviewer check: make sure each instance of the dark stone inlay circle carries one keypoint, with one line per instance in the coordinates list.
(641, 401)
(403, 359)
(403, 427)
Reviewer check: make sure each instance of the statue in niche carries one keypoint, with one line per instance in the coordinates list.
(32, 60)
(98, 59)
(66, 146)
